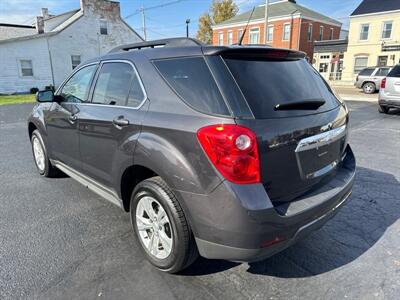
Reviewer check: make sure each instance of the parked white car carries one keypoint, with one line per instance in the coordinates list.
(389, 93)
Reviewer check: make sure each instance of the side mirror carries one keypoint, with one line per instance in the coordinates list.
(45, 96)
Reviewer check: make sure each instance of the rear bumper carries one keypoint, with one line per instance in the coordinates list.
(384, 100)
(213, 250)
(240, 223)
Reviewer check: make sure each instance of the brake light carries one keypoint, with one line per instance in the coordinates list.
(383, 83)
(233, 151)
(277, 54)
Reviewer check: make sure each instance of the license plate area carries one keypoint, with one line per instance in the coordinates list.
(320, 154)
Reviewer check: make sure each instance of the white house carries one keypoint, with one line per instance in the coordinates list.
(44, 54)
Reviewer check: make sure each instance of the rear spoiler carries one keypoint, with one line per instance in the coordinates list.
(254, 52)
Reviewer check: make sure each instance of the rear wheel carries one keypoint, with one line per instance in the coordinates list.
(383, 109)
(161, 227)
(40, 156)
(369, 88)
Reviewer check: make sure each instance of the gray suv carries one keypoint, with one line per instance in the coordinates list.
(369, 79)
(232, 152)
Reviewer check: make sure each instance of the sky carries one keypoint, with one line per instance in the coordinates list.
(164, 18)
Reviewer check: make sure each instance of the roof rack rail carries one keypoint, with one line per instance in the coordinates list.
(172, 42)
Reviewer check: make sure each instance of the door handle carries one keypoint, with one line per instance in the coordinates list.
(120, 122)
(397, 83)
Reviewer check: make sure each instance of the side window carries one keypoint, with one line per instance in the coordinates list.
(192, 81)
(113, 84)
(366, 72)
(77, 87)
(383, 72)
(136, 94)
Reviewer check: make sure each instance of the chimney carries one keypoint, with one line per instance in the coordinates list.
(45, 13)
(100, 7)
(40, 24)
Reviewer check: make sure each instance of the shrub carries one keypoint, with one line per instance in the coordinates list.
(49, 87)
(34, 90)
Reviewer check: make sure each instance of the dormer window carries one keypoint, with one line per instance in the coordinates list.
(103, 27)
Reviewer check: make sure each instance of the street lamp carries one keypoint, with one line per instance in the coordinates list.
(187, 27)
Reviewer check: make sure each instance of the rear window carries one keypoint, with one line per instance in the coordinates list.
(395, 72)
(192, 81)
(267, 83)
(366, 72)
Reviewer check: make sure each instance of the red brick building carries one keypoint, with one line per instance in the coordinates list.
(290, 25)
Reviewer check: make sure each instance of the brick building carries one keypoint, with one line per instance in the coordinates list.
(290, 25)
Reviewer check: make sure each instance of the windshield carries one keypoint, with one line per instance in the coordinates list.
(267, 84)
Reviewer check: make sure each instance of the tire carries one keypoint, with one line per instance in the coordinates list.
(369, 88)
(383, 109)
(183, 250)
(44, 167)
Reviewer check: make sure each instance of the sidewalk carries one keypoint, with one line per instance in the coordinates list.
(350, 93)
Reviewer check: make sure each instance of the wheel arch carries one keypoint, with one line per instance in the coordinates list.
(131, 176)
(368, 81)
(31, 128)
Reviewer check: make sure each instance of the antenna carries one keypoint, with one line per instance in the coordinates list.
(247, 25)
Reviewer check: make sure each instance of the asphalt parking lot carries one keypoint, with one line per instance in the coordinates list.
(58, 240)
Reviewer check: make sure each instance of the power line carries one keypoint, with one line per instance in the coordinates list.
(138, 11)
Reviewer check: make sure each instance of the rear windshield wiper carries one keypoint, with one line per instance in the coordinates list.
(301, 105)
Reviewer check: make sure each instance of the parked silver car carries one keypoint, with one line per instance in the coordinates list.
(389, 94)
(369, 79)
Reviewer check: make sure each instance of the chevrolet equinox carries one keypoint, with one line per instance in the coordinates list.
(232, 153)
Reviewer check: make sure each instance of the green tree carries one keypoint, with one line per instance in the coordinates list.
(220, 10)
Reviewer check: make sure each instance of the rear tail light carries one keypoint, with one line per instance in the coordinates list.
(357, 78)
(383, 83)
(233, 151)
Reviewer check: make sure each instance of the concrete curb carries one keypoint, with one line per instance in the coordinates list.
(358, 98)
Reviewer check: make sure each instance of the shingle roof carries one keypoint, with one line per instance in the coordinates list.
(330, 46)
(278, 9)
(375, 6)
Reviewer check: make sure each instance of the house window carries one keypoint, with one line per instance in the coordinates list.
(103, 27)
(360, 63)
(309, 32)
(230, 37)
(382, 61)
(75, 61)
(323, 68)
(240, 33)
(254, 36)
(286, 32)
(364, 32)
(26, 67)
(331, 34)
(220, 38)
(270, 33)
(321, 33)
(387, 30)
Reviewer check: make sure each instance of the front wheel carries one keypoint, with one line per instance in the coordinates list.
(161, 227)
(369, 88)
(40, 156)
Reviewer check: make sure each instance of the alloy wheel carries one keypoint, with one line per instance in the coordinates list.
(38, 153)
(154, 227)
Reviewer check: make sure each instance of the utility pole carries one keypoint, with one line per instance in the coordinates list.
(187, 27)
(266, 21)
(143, 23)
